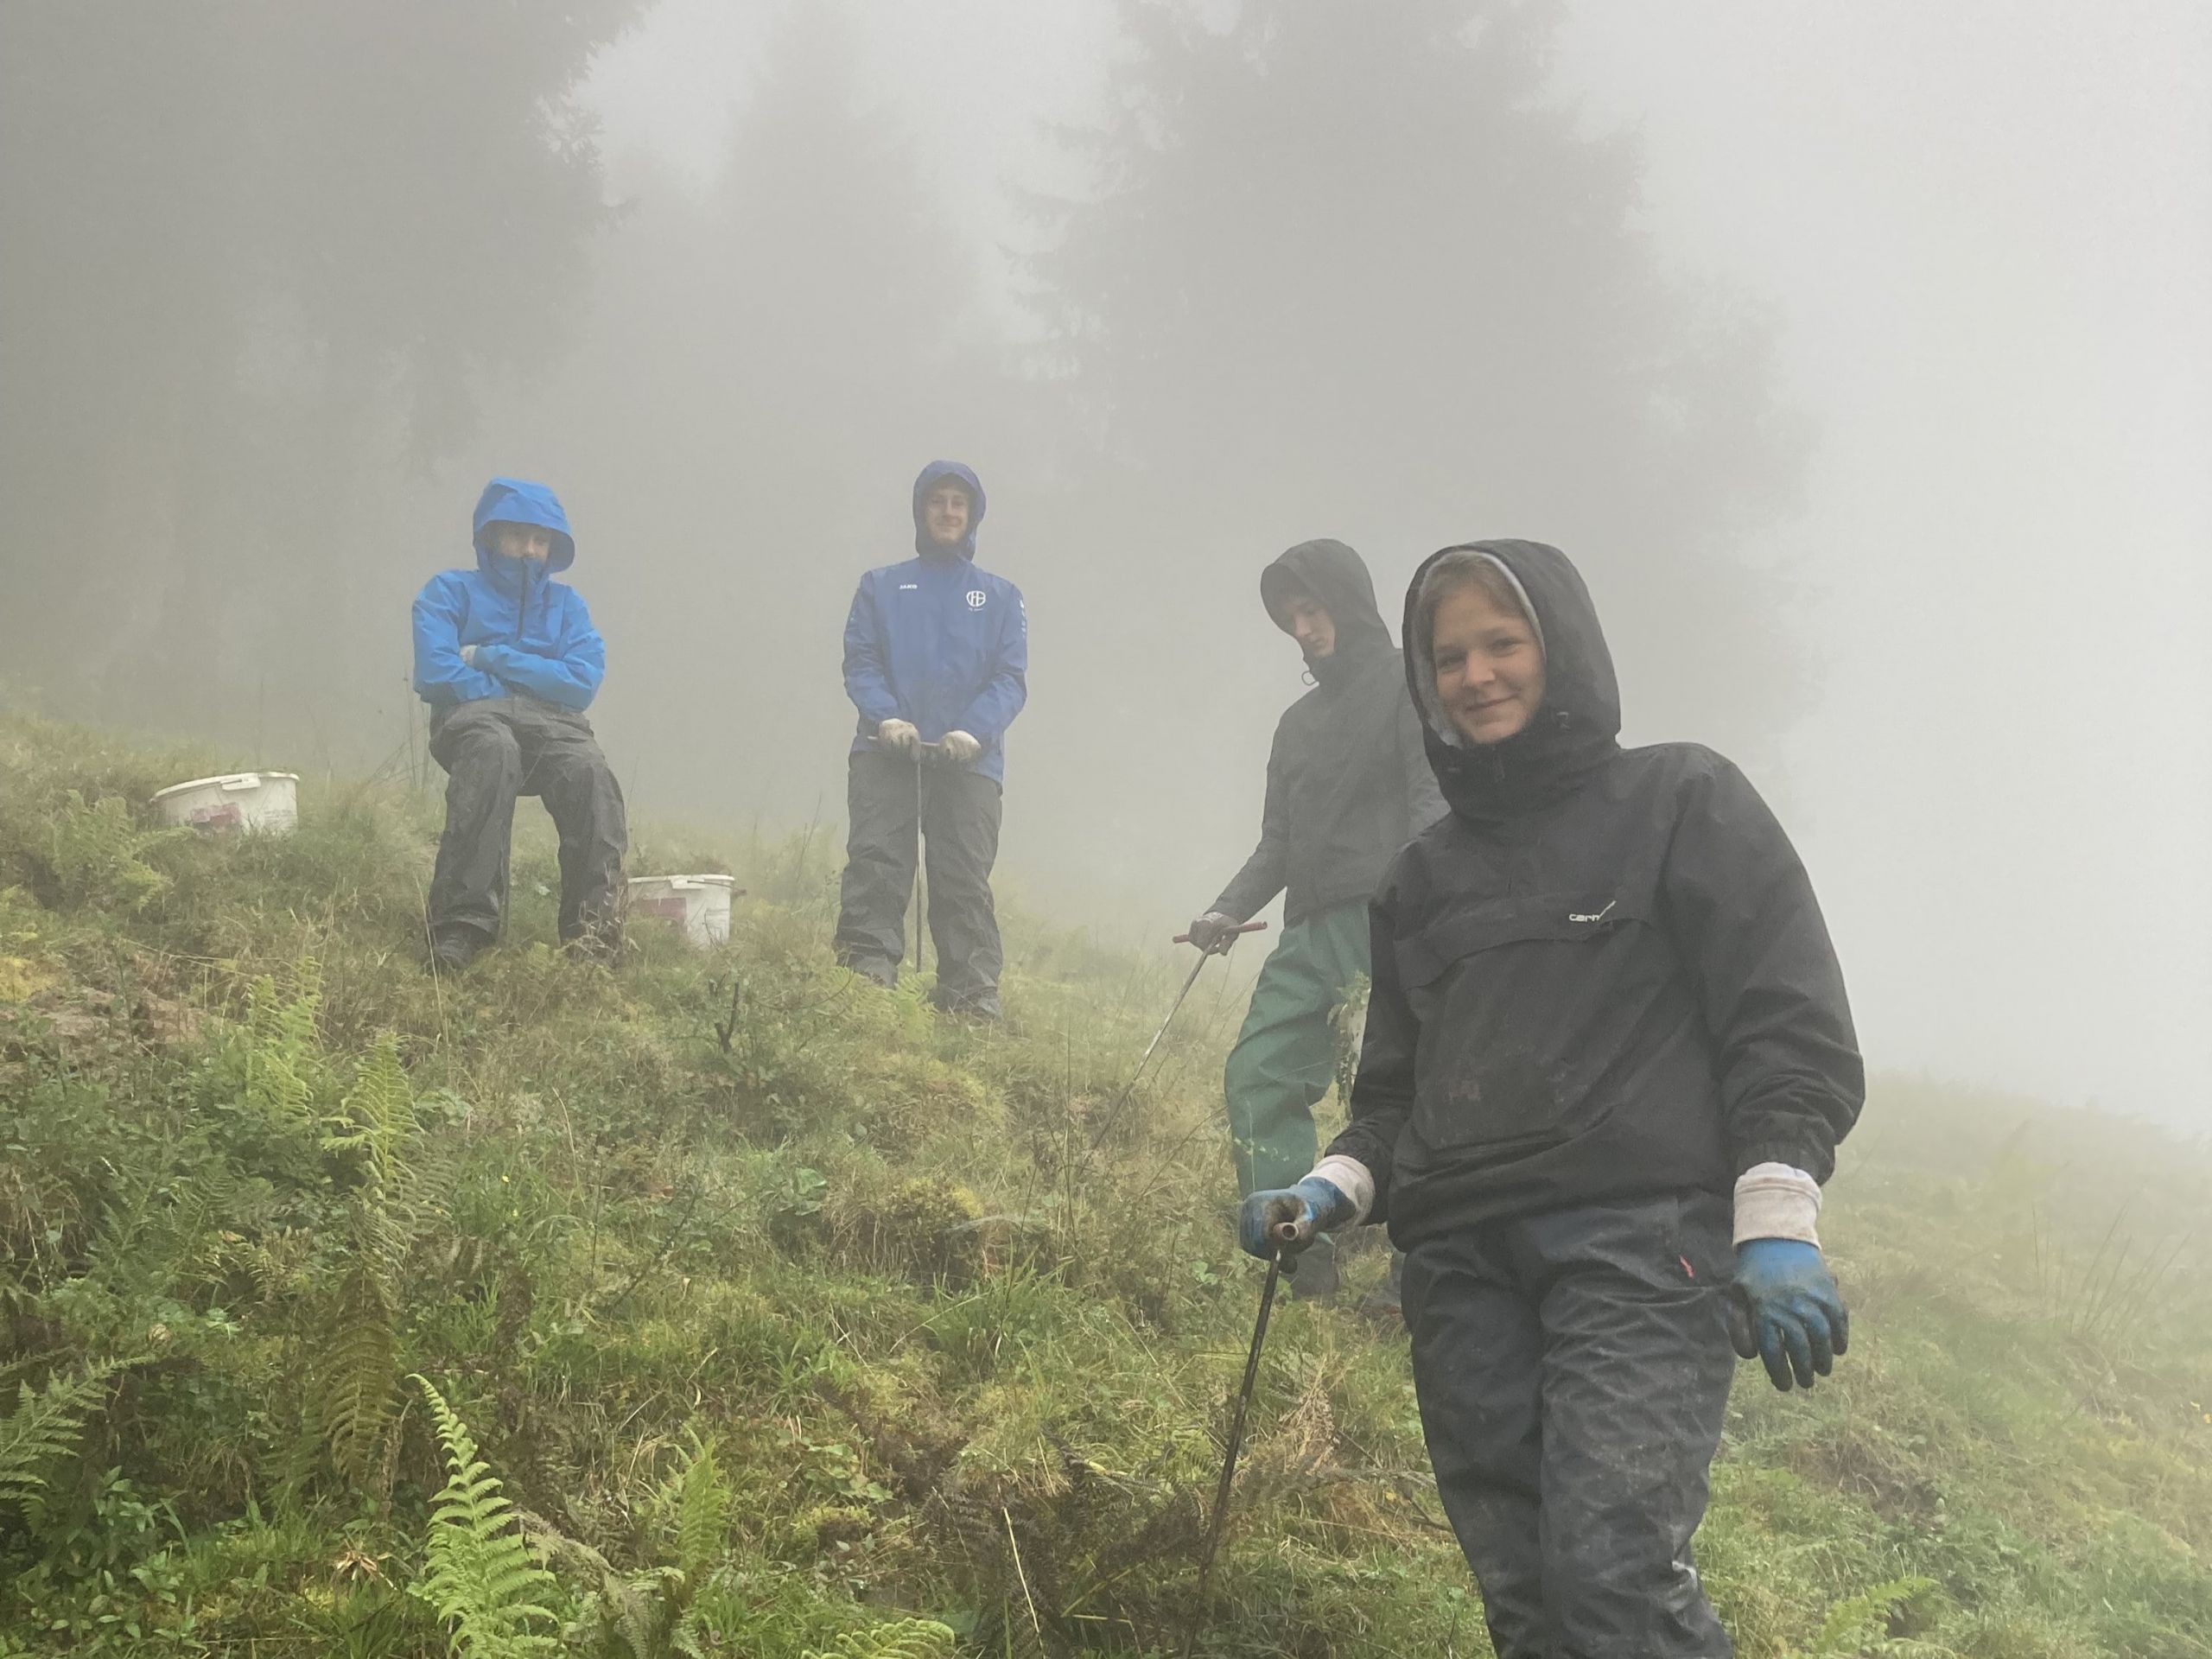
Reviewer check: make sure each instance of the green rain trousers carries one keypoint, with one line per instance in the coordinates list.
(1286, 1056)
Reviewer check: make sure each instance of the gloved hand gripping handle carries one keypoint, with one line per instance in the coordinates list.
(1248, 927)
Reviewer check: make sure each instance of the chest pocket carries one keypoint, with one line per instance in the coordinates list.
(1510, 996)
(1561, 917)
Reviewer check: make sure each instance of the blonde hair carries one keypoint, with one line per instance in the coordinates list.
(1467, 567)
(1450, 572)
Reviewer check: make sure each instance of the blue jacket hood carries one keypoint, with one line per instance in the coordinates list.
(519, 501)
(933, 475)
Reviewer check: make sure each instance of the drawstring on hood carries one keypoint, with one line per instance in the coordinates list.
(932, 475)
(1577, 726)
(1336, 579)
(520, 501)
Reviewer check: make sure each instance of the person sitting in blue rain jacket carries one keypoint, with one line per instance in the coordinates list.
(936, 656)
(508, 660)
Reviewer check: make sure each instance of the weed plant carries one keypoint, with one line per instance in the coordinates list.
(753, 1309)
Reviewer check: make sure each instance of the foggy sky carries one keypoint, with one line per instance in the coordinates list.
(1986, 231)
(1930, 285)
(1989, 229)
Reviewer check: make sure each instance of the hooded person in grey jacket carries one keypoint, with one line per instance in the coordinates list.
(1347, 785)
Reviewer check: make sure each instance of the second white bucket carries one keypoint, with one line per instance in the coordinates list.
(698, 904)
(255, 802)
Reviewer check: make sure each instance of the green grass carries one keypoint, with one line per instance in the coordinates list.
(790, 1319)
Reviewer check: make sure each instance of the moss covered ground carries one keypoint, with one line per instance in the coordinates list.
(777, 1315)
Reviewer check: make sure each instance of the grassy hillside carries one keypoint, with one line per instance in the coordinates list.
(790, 1319)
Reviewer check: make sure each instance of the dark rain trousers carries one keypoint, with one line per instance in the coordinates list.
(495, 750)
(889, 798)
(1572, 1370)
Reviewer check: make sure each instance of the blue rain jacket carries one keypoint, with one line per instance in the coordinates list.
(532, 634)
(938, 642)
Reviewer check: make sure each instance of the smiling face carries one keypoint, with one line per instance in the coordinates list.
(944, 513)
(1490, 667)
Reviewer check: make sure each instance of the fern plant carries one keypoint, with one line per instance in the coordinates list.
(905, 1638)
(651, 1615)
(638, 1618)
(97, 855)
(1859, 1625)
(44, 1428)
(356, 1378)
(282, 1058)
(701, 1515)
(481, 1579)
(1346, 1026)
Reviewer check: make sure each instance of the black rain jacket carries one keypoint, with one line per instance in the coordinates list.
(1602, 977)
(1347, 784)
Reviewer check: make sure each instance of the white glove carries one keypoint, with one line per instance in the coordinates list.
(959, 748)
(468, 655)
(899, 734)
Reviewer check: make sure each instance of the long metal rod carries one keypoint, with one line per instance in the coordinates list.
(1145, 1059)
(921, 888)
(1235, 1441)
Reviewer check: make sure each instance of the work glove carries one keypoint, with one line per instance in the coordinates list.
(1312, 1206)
(899, 734)
(1787, 1311)
(1213, 932)
(959, 748)
(468, 655)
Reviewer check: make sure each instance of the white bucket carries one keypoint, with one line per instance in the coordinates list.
(253, 803)
(698, 904)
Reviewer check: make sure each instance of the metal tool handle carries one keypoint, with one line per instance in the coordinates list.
(1248, 927)
(1229, 1461)
(936, 751)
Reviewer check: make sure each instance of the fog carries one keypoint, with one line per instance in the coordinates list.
(1857, 353)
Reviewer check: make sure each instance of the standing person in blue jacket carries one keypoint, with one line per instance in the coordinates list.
(937, 656)
(508, 660)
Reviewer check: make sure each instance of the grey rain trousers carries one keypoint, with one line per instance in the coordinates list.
(1573, 1371)
(495, 750)
(957, 814)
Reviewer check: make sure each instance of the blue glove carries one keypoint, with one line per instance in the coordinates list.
(1787, 1311)
(1312, 1206)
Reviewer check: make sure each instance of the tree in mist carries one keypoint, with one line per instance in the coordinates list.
(1350, 270)
(259, 259)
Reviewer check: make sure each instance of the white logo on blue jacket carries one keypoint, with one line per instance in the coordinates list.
(975, 599)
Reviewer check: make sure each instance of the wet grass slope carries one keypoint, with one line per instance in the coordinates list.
(794, 1319)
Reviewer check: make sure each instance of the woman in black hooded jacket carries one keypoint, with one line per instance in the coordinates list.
(1607, 1040)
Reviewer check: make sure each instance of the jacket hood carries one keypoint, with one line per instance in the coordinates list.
(1337, 577)
(1576, 728)
(518, 501)
(933, 475)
